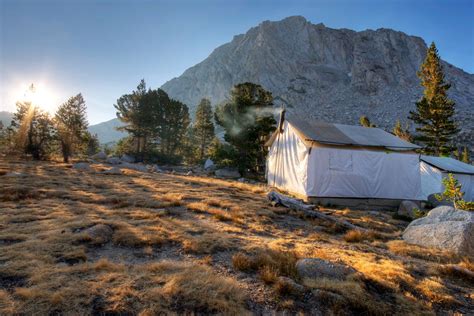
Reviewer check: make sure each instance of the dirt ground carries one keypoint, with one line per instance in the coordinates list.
(189, 244)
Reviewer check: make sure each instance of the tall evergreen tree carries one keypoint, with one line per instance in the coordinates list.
(71, 124)
(204, 127)
(248, 120)
(434, 113)
(34, 130)
(135, 112)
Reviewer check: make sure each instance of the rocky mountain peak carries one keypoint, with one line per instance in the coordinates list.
(329, 74)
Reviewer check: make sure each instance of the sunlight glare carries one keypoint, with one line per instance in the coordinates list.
(40, 95)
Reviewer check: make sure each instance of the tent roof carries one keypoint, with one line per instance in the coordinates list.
(340, 134)
(448, 164)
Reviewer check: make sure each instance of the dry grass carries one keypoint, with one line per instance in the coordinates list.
(198, 245)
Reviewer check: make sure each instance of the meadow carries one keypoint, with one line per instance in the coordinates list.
(193, 244)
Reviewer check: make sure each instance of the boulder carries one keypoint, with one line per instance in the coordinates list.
(209, 164)
(408, 209)
(84, 166)
(444, 228)
(113, 160)
(134, 166)
(290, 286)
(227, 173)
(112, 171)
(435, 202)
(99, 234)
(315, 268)
(100, 156)
(127, 158)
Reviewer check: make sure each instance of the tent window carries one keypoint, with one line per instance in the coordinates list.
(340, 161)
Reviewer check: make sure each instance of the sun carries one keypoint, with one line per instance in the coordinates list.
(39, 95)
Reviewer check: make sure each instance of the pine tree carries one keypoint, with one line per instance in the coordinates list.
(364, 121)
(465, 155)
(403, 133)
(71, 124)
(248, 120)
(452, 191)
(434, 112)
(34, 130)
(204, 127)
(135, 113)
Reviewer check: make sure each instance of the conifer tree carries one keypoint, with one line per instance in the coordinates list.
(434, 112)
(465, 155)
(71, 124)
(364, 121)
(247, 120)
(34, 130)
(401, 132)
(204, 127)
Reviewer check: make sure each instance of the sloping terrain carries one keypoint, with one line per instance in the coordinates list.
(175, 244)
(335, 75)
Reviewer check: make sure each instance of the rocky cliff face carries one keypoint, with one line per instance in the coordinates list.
(335, 75)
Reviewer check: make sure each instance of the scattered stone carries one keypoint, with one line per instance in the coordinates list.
(314, 268)
(435, 202)
(444, 228)
(242, 180)
(82, 166)
(112, 171)
(209, 164)
(408, 209)
(99, 234)
(290, 285)
(227, 173)
(14, 174)
(189, 173)
(100, 156)
(156, 168)
(133, 166)
(113, 160)
(127, 158)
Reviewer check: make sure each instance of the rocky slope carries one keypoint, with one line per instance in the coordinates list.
(335, 75)
(107, 132)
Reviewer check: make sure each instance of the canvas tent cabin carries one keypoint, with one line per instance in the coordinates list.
(342, 164)
(434, 169)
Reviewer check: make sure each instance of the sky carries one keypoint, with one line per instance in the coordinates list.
(103, 48)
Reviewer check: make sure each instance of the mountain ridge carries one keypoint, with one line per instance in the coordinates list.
(334, 75)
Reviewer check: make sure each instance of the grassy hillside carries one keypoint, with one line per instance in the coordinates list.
(193, 244)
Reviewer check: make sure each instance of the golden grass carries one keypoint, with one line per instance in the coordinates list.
(179, 244)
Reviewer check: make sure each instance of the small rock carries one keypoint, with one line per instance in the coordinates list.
(227, 173)
(99, 234)
(100, 156)
(113, 171)
(113, 160)
(156, 168)
(82, 166)
(444, 228)
(189, 173)
(314, 268)
(14, 174)
(133, 166)
(242, 180)
(127, 158)
(209, 164)
(290, 285)
(408, 209)
(435, 202)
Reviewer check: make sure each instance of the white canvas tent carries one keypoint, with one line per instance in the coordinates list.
(322, 160)
(434, 169)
